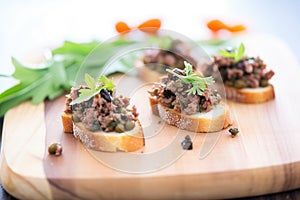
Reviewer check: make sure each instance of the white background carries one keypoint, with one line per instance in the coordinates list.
(29, 27)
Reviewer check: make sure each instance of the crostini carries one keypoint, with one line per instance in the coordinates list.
(246, 79)
(185, 100)
(155, 61)
(101, 120)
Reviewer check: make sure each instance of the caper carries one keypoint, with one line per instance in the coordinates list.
(55, 149)
(95, 127)
(129, 125)
(75, 118)
(120, 128)
(229, 83)
(234, 131)
(155, 91)
(123, 110)
(178, 84)
(239, 84)
(112, 125)
(263, 83)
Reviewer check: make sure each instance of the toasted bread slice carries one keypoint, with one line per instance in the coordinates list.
(128, 141)
(250, 95)
(215, 120)
(67, 122)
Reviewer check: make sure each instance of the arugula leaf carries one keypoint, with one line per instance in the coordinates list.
(199, 84)
(87, 93)
(237, 55)
(58, 75)
(75, 48)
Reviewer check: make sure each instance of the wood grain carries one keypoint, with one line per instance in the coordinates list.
(264, 158)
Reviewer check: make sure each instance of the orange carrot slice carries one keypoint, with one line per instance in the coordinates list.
(150, 26)
(237, 28)
(122, 27)
(216, 25)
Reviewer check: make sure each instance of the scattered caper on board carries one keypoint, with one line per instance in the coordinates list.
(233, 131)
(55, 149)
(187, 143)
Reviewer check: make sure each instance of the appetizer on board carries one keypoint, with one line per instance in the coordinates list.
(100, 119)
(246, 79)
(184, 99)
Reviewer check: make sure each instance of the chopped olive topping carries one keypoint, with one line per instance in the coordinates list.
(129, 125)
(75, 118)
(234, 131)
(229, 83)
(239, 84)
(263, 83)
(187, 143)
(120, 128)
(106, 95)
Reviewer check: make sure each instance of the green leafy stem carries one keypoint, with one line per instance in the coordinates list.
(199, 84)
(236, 54)
(93, 89)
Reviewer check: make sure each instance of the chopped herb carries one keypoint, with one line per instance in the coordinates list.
(199, 84)
(87, 93)
(236, 54)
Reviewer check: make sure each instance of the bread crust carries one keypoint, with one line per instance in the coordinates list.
(246, 95)
(250, 95)
(102, 141)
(214, 120)
(67, 122)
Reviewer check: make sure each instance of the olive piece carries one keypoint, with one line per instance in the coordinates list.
(168, 93)
(129, 125)
(123, 110)
(234, 131)
(55, 149)
(75, 118)
(239, 84)
(120, 128)
(263, 83)
(106, 95)
(187, 143)
(95, 126)
(178, 84)
(112, 125)
(229, 83)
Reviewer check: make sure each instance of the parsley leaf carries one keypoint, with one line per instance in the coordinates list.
(199, 84)
(107, 83)
(236, 54)
(87, 93)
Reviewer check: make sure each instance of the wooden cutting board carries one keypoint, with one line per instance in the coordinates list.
(263, 158)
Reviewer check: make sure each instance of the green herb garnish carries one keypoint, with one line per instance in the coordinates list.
(58, 74)
(87, 93)
(199, 84)
(236, 54)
